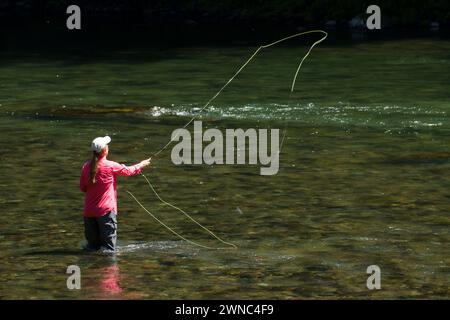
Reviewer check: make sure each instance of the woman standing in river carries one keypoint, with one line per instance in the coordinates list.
(98, 182)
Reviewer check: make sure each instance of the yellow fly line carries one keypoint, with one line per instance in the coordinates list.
(229, 244)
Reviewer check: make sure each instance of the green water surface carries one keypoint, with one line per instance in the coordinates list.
(363, 174)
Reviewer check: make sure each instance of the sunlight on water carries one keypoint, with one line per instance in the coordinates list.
(363, 177)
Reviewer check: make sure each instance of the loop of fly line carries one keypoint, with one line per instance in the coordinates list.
(231, 245)
(187, 215)
(170, 229)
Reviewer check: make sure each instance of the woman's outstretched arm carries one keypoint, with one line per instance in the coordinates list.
(126, 171)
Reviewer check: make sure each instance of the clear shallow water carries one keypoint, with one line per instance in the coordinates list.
(362, 176)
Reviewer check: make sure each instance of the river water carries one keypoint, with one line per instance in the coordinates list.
(363, 176)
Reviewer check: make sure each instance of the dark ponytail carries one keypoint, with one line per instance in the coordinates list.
(94, 166)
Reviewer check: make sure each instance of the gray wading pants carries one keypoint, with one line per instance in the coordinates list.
(101, 233)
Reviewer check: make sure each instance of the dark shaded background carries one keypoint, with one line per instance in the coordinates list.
(207, 13)
(109, 24)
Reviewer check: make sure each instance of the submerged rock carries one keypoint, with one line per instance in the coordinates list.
(357, 22)
(331, 24)
(434, 26)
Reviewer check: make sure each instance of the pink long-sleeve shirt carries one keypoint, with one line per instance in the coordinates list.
(101, 198)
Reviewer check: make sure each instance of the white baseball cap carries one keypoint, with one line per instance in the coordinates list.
(99, 143)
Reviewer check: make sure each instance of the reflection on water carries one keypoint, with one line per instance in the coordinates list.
(363, 173)
(110, 282)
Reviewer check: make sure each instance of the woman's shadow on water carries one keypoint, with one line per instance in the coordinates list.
(80, 250)
(58, 252)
